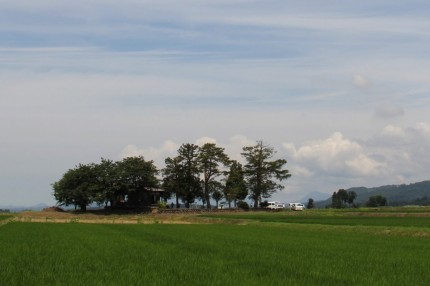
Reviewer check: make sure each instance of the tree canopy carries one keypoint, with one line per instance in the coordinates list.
(115, 182)
(77, 187)
(376, 201)
(340, 198)
(235, 186)
(210, 159)
(263, 174)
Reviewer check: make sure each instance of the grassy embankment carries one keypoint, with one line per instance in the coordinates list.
(4, 218)
(309, 248)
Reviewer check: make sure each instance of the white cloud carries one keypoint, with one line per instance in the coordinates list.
(204, 140)
(389, 111)
(235, 145)
(241, 140)
(326, 151)
(393, 131)
(301, 172)
(336, 156)
(424, 129)
(361, 81)
(132, 151)
(365, 166)
(290, 148)
(156, 154)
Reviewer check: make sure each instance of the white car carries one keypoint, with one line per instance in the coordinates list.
(297, 206)
(275, 205)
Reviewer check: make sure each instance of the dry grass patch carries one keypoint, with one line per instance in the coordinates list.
(98, 218)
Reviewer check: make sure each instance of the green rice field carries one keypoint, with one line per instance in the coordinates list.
(4, 217)
(335, 218)
(258, 249)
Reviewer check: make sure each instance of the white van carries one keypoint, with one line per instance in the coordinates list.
(297, 206)
(275, 205)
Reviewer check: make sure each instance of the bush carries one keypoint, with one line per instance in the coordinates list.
(162, 205)
(264, 204)
(376, 201)
(243, 205)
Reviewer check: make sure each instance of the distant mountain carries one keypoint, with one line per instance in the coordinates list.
(13, 208)
(396, 195)
(316, 196)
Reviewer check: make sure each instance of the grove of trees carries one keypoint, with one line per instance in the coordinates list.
(108, 183)
(195, 173)
(263, 174)
(343, 198)
(376, 201)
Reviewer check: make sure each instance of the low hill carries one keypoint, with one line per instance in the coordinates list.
(13, 208)
(396, 195)
(316, 196)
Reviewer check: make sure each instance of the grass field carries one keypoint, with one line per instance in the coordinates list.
(330, 217)
(272, 252)
(5, 216)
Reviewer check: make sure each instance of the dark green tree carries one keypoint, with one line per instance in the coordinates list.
(77, 187)
(342, 197)
(190, 183)
(311, 203)
(135, 178)
(264, 204)
(351, 197)
(173, 179)
(217, 196)
(243, 205)
(210, 160)
(376, 201)
(108, 182)
(336, 201)
(132, 178)
(235, 185)
(262, 173)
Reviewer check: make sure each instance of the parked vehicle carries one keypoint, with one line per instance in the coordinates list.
(275, 205)
(297, 206)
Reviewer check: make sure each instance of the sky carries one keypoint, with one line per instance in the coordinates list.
(340, 89)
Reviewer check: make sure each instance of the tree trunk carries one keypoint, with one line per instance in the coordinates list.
(207, 198)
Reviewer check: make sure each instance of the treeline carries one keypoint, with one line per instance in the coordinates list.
(196, 173)
(343, 198)
(107, 182)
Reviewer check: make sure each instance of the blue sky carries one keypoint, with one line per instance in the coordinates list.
(341, 89)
